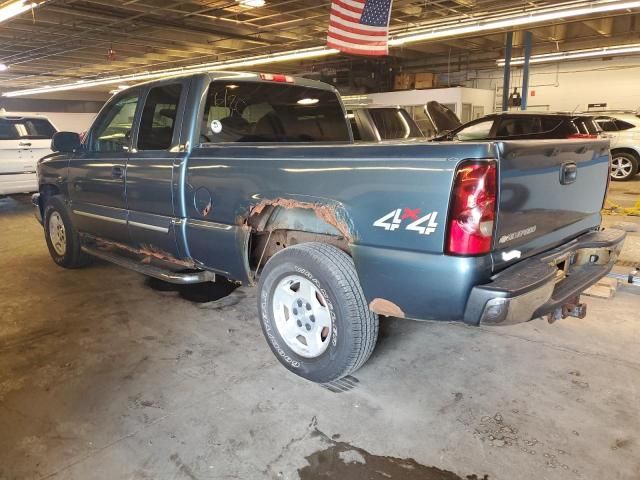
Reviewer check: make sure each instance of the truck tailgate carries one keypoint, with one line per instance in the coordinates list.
(550, 192)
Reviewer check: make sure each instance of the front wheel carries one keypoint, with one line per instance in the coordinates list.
(623, 166)
(62, 238)
(314, 314)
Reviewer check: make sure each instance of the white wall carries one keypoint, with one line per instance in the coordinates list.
(70, 122)
(572, 85)
(453, 95)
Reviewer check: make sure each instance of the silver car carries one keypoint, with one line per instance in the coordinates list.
(623, 128)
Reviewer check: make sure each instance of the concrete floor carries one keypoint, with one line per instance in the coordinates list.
(102, 377)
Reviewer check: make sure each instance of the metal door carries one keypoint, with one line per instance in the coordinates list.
(97, 174)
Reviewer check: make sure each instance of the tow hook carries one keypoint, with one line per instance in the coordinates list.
(573, 308)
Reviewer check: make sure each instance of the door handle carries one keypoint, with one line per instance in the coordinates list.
(568, 173)
(117, 171)
(24, 144)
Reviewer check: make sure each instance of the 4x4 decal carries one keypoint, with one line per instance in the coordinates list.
(423, 224)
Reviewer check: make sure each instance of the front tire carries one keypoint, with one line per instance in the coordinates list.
(314, 314)
(623, 166)
(62, 238)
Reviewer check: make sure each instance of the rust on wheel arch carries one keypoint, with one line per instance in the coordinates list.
(385, 307)
(326, 213)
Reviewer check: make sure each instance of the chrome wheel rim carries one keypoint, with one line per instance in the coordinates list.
(621, 167)
(302, 316)
(57, 233)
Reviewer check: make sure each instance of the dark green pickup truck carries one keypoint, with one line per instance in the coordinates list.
(255, 177)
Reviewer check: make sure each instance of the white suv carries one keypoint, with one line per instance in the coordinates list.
(23, 141)
(623, 128)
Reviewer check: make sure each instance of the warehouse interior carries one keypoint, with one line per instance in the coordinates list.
(108, 374)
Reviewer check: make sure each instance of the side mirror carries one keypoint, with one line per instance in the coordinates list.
(65, 142)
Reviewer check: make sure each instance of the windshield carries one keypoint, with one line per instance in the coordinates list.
(25, 128)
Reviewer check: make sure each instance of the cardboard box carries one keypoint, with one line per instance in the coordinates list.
(424, 80)
(404, 81)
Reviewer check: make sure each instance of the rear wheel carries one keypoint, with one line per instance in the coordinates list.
(624, 165)
(62, 238)
(314, 313)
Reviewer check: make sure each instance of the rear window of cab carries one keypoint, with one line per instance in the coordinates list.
(271, 112)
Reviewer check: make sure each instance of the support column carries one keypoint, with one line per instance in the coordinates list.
(507, 72)
(528, 43)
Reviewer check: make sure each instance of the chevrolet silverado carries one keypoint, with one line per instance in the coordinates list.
(256, 178)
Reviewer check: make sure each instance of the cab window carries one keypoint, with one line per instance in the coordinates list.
(271, 112)
(477, 131)
(26, 128)
(622, 125)
(113, 131)
(158, 118)
(519, 126)
(607, 124)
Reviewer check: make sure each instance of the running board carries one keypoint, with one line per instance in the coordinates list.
(178, 278)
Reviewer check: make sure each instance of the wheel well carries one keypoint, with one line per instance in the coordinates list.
(265, 244)
(627, 150)
(281, 224)
(46, 191)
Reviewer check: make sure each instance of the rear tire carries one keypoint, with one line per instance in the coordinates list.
(314, 314)
(62, 238)
(624, 165)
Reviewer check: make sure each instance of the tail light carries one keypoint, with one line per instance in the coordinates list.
(472, 212)
(583, 136)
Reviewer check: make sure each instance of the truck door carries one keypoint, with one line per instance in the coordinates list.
(97, 174)
(150, 167)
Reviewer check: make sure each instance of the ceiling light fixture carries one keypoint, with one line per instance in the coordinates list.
(450, 29)
(514, 20)
(576, 54)
(308, 101)
(205, 67)
(252, 3)
(4, 67)
(15, 8)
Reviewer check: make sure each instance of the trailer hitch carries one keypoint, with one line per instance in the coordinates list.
(573, 308)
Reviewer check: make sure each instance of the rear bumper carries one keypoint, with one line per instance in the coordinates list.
(539, 285)
(37, 211)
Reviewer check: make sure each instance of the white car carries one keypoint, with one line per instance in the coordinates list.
(23, 141)
(623, 128)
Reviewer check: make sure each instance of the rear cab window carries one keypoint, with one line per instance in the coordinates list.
(26, 128)
(242, 111)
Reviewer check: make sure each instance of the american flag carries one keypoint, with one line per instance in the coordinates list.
(360, 27)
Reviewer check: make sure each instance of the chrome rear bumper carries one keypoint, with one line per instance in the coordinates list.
(540, 285)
